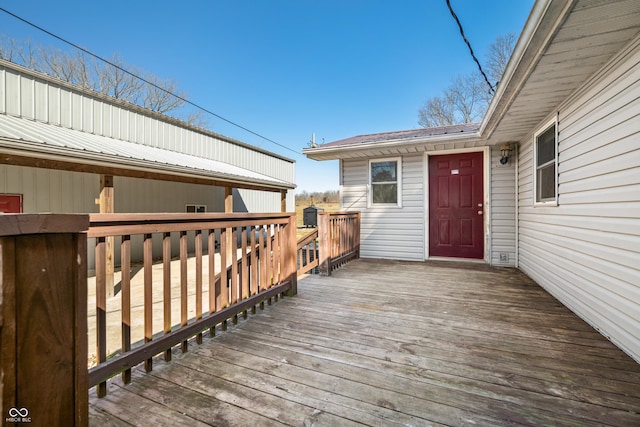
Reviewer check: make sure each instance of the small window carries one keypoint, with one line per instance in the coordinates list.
(384, 180)
(196, 208)
(546, 156)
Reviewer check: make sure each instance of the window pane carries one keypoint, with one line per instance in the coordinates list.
(385, 193)
(384, 171)
(547, 183)
(546, 146)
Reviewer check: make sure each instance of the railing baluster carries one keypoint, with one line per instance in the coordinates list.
(125, 290)
(262, 250)
(166, 284)
(234, 270)
(198, 243)
(184, 314)
(101, 308)
(244, 268)
(212, 277)
(223, 301)
(253, 286)
(148, 296)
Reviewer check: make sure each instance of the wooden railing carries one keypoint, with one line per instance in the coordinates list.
(256, 261)
(307, 252)
(228, 265)
(339, 235)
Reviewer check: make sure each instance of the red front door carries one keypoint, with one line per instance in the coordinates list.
(456, 222)
(10, 203)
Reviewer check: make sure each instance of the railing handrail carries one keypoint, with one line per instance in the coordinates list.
(307, 238)
(103, 225)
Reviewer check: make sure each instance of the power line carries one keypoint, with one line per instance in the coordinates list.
(146, 81)
(486, 79)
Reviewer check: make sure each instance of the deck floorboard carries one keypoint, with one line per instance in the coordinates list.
(392, 343)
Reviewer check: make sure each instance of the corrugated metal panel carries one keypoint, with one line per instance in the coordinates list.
(586, 251)
(503, 210)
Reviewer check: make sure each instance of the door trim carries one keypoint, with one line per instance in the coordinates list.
(486, 160)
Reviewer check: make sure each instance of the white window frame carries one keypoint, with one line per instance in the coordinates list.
(548, 201)
(398, 182)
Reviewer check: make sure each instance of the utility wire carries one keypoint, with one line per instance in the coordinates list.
(486, 79)
(146, 81)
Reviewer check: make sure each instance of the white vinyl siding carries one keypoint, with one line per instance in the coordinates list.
(502, 215)
(586, 251)
(387, 231)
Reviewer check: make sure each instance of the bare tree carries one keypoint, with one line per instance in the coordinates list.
(113, 81)
(467, 98)
(436, 112)
(158, 96)
(110, 78)
(498, 56)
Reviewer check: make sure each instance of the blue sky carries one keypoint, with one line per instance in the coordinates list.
(287, 68)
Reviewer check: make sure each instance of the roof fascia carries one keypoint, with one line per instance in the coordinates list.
(127, 167)
(543, 22)
(339, 152)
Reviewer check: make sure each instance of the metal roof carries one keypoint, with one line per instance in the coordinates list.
(399, 142)
(30, 138)
(405, 135)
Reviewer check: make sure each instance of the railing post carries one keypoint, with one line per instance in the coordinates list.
(324, 236)
(357, 234)
(291, 255)
(43, 280)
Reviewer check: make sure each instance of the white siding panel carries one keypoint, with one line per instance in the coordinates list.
(27, 107)
(388, 232)
(586, 251)
(41, 95)
(502, 209)
(12, 92)
(3, 92)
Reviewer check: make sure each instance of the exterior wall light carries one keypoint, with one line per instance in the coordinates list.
(505, 153)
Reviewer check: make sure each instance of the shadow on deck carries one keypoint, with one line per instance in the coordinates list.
(391, 343)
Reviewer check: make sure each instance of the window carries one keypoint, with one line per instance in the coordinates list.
(384, 180)
(546, 155)
(196, 208)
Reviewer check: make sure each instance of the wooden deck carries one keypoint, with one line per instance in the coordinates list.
(391, 343)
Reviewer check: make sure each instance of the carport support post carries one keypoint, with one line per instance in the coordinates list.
(107, 206)
(283, 200)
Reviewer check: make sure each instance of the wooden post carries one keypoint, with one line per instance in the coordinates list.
(290, 255)
(283, 200)
(43, 285)
(324, 236)
(106, 202)
(228, 208)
